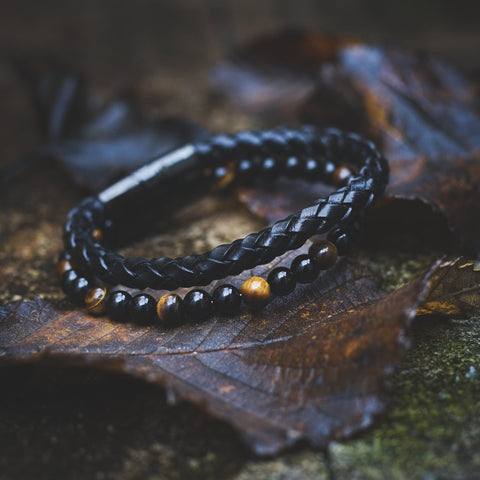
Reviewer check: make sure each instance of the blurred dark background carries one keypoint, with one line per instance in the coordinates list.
(114, 40)
(166, 48)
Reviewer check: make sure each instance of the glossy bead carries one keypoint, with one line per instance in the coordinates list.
(64, 256)
(270, 167)
(223, 175)
(304, 269)
(95, 300)
(293, 167)
(281, 281)
(341, 175)
(255, 292)
(341, 240)
(226, 299)
(64, 266)
(312, 169)
(328, 169)
(97, 235)
(118, 306)
(170, 309)
(142, 308)
(197, 305)
(246, 169)
(324, 253)
(80, 287)
(67, 280)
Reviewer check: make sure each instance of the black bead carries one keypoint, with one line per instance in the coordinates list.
(197, 305)
(220, 172)
(342, 241)
(142, 309)
(64, 256)
(270, 167)
(304, 269)
(246, 169)
(313, 169)
(281, 281)
(80, 287)
(293, 167)
(328, 169)
(68, 278)
(118, 304)
(226, 299)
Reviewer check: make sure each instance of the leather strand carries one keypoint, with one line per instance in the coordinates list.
(340, 209)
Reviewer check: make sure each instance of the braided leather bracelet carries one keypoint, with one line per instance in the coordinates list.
(305, 152)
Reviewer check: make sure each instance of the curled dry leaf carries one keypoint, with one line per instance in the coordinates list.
(454, 290)
(421, 111)
(313, 368)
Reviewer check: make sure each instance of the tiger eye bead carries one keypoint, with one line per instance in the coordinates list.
(255, 292)
(64, 266)
(170, 309)
(341, 175)
(223, 175)
(324, 253)
(97, 235)
(95, 300)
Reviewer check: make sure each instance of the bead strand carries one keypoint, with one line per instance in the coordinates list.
(197, 305)
(88, 268)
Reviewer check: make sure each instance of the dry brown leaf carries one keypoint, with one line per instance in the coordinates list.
(310, 367)
(421, 111)
(454, 290)
(313, 368)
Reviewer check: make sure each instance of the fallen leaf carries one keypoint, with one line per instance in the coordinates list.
(311, 368)
(454, 290)
(421, 111)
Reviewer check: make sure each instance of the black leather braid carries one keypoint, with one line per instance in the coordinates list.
(340, 209)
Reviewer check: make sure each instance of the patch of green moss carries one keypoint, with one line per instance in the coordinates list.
(432, 429)
(398, 269)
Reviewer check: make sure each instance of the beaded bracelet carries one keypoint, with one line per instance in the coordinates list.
(87, 268)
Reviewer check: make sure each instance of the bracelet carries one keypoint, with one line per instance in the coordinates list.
(88, 268)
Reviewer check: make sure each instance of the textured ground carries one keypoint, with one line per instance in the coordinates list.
(80, 423)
